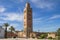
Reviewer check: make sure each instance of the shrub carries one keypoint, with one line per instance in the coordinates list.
(50, 38)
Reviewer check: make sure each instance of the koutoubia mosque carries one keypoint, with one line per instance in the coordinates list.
(28, 20)
(28, 28)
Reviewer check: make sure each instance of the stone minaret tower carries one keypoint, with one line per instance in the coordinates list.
(27, 20)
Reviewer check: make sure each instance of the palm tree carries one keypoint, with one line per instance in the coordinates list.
(11, 29)
(6, 25)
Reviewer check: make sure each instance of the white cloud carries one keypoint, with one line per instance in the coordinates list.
(2, 9)
(12, 17)
(55, 17)
(17, 1)
(37, 20)
(6, 17)
(42, 4)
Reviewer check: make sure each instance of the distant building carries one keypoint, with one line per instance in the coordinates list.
(52, 34)
(2, 32)
(11, 35)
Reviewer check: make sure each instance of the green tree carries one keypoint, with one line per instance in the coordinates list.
(43, 36)
(6, 25)
(12, 29)
(58, 33)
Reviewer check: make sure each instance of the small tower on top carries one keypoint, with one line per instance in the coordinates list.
(27, 5)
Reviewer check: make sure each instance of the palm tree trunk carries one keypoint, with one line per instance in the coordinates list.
(5, 32)
(11, 33)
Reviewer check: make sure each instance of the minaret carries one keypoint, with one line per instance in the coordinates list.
(27, 20)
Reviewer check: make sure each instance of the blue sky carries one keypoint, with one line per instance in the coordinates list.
(46, 14)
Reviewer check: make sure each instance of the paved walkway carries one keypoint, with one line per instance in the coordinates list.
(24, 39)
